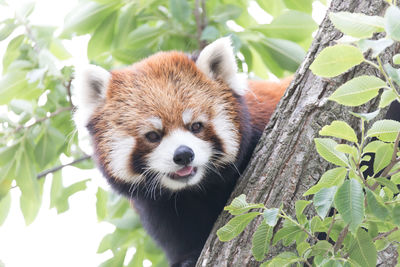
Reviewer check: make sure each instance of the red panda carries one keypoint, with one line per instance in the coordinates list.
(173, 133)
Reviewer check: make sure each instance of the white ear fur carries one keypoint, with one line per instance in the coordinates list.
(90, 89)
(217, 60)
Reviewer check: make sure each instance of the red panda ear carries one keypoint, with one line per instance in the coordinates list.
(217, 60)
(90, 90)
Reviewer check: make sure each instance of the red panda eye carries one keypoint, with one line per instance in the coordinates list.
(153, 137)
(196, 127)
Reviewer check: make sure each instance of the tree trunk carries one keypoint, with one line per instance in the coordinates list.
(285, 163)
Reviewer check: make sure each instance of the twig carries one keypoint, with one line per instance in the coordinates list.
(331, 226)
(51, 115)
(340, 239)
(57, 168)
(394, 157)
(383, 235)
(200, 21)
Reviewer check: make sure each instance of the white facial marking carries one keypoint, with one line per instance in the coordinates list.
(161, 159)
(156, 122)
(121, 150)
(228, 134)
(187, 116)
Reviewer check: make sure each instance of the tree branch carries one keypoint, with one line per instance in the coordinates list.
(200, 15)
(57, 168)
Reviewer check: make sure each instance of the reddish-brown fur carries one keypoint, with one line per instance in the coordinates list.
(262, 98)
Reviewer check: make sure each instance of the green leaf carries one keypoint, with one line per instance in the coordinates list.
(326, 148)
(287, 54)
(305, 6)
(356, 24)
(323, 200)
(285, 259)
(396, 215)
(333, 177)
(387, 183)
(48, 145)
(373, 146)
(271, 216)
(58, 50)
(239, 205)
(339, 129)
(12, 51)
(102, 37)
(300, 206)
(26, 9)
(284, 232)
(358, 90)
(14, 85)
(349, 201)
(392, 72)
(376, 207)
(6, 28)
(291, 25)
(383, 156)
(385, 130)
(396, 59)
(274, 8)
(320, 248)
(87, 17)
(5, 205)
(225, 12)
(392, 22)
(335, 60)
(261, 239)
(235, 226)
(366, 116)
(377, 46)
(387, 97)
(143, 35)
(101, 204)
(180, 10)
(363, 250)
(210, 33)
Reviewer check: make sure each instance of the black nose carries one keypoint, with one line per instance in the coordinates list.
(183, 155)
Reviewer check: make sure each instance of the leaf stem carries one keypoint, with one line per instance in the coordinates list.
(383, 235)
(283, 215)
(340, 239)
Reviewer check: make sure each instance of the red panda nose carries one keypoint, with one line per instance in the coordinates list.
(183, 155)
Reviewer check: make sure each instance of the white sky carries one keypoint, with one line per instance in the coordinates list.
(72, 238)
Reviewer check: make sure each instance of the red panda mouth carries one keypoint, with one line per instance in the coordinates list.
(183, 173)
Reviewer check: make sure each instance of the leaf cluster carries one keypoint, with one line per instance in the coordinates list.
(358, 211)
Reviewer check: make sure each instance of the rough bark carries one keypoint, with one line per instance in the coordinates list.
(285, 163)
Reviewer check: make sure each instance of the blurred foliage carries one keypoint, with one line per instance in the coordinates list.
(36, 127)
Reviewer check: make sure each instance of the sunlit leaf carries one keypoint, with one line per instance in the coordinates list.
(333, 177)
(385, 130)
(326, 148)
(323, 200)
(335, 60)
(239, 205)
(357, 24)
(392, 22)
(358, 90)
(339, 129)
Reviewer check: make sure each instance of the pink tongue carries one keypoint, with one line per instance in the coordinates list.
(184, 171)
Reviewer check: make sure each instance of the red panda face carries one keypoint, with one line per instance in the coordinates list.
(166, 121)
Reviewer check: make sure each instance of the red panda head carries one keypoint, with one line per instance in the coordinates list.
(166, 120)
